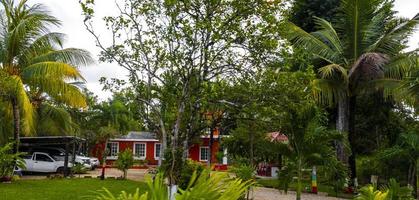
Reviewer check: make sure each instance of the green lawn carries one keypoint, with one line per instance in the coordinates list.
(64, 189)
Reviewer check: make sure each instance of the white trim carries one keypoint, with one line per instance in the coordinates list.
(133, 140)
(155, 157)
(145, 150)
(206, 147)
(110, 151)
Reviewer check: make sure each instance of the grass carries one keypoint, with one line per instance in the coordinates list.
(64, 189)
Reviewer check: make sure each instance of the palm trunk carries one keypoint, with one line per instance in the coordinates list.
(300, 176)
(342, 125)
(16, 124)
(351, 138)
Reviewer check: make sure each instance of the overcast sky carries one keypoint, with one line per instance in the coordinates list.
(69, 12)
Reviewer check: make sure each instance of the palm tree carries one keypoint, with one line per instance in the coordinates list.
(362, 52)
(308, 143)
(35, 64)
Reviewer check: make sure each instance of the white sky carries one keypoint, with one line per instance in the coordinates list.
(69, 12)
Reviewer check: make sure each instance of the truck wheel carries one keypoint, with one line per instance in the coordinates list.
(60, 170)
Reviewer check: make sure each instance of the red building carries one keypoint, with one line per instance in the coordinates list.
(146, 148)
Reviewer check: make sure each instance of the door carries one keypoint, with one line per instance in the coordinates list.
(43, 163)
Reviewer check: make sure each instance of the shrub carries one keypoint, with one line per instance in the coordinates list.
(391, 191)
(125, 161)
(218, 186)
(9, 160)
(79, 169)
(188, 169)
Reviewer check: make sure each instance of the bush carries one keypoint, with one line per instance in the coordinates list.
(79, 169)
(188, 169)
(125, 161)
(391, 191)
(218, 186)
(8, 160)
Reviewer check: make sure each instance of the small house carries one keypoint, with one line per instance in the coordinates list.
(146, 149)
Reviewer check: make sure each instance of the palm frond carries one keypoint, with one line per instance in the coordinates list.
(51, 69)
(311, 43)
(25, 105)
(332, 70)
(329, 36)
(72, 56)
(389, 42)
(328, 92)
(401, 65)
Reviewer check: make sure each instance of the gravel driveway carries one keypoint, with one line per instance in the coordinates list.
(261, 193)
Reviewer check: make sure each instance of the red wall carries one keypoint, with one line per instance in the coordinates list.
(193, 150)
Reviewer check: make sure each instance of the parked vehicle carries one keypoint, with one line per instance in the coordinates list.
(42, 162)
(59, 154)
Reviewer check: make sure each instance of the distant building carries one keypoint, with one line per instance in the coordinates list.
(146, 148)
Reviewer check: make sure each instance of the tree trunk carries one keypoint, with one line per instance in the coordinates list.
(163, 145)
(417, 178)
(175, 138)
(342, 126)
(102, 176)
(211, 141)
(16, 124)
(351, 138)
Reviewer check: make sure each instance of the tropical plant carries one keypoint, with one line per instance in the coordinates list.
(391, 191)
(216, 186)
(79, 169)
(309, 141)
(245, 173)
(407, 147)
(125, 161)
(362, 50)
(397, 192)
(370, 192)
(35, 64)
(9, 160)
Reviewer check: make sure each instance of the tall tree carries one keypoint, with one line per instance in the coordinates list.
(363, 52)
(35, 64)
(174, 48)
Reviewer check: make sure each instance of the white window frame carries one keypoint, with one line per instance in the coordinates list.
(145, 150)
(155, 151)
(200, 152)
(110, 150)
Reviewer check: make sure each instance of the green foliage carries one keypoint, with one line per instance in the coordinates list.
(125, 161)
(187, 171)
(78, 168)
(216, 186)
(391, 191)
(244, 172)
(370, 192)
(9, 160)
(35, 65)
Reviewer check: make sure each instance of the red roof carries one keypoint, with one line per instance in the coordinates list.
(277, 137)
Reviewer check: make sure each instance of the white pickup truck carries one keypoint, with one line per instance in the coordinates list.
(42, 162)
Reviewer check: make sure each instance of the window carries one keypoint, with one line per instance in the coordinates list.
(44, 158)
(157, 148)
(139, 150)
(113, 149)
(203, 153)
